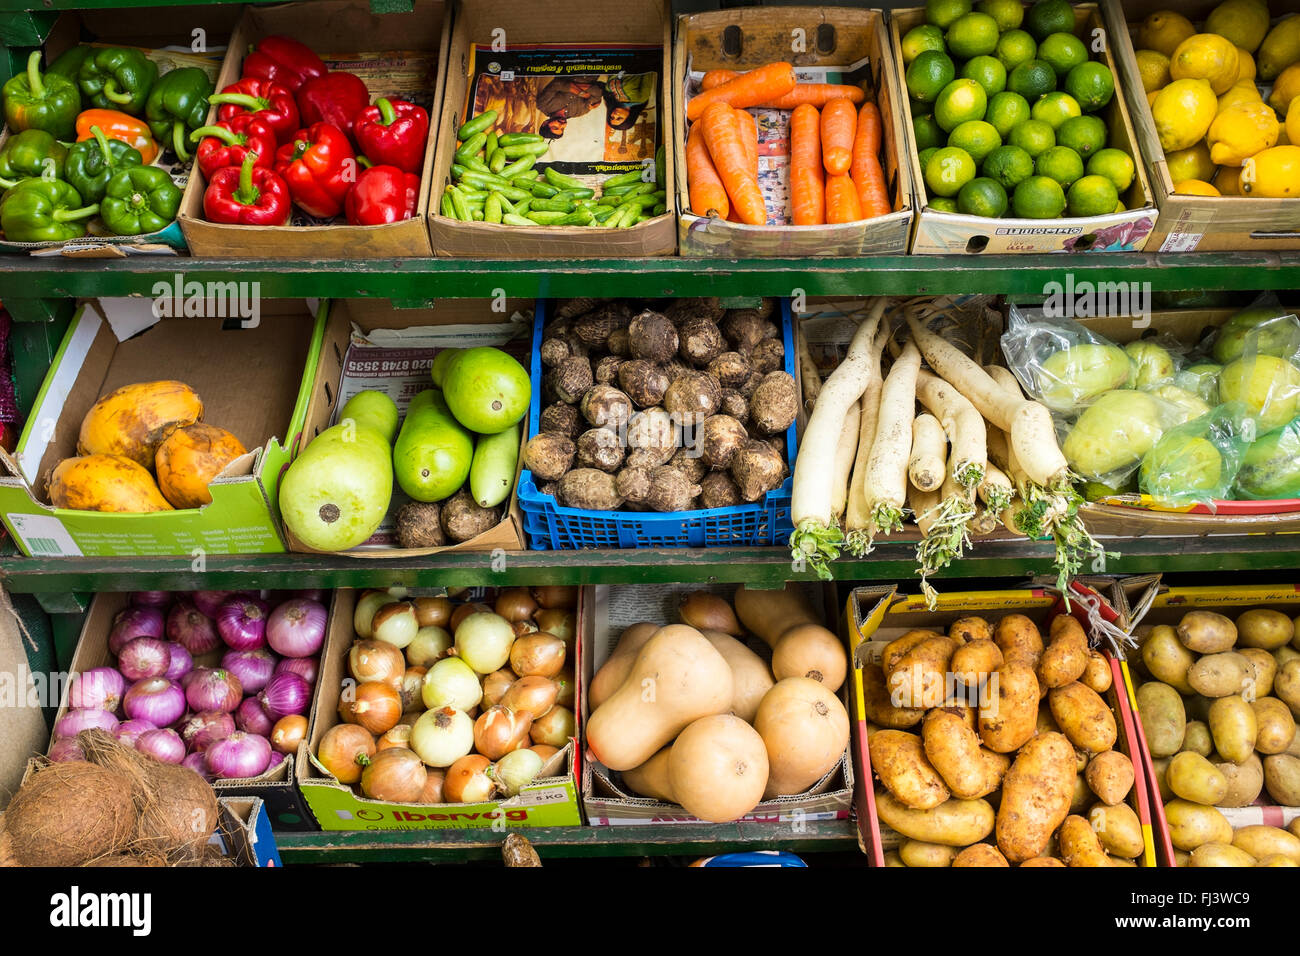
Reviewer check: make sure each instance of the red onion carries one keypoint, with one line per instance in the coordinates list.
(209, 602)
(304, 667)
(241, 622)
(253, 668)
(100, 688)
(85, 718)
(144, 657)
(187, 625)
(157, 700)
(181, 662)
(164, 743)
(285, 694)
(297, 628)
(277, 758)
(239, 756)
(158, 599)
(205, 728)
(129, 730)
(310, 594)
(214, 689)
(66, 748)
(199, 764)
(133, 622)
(252, 719)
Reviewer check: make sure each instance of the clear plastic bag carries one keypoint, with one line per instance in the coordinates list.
(1264, 375)
(1270, 468)
(1062, 364)
(1197, 462)
(1260, 322)
(1109, 439)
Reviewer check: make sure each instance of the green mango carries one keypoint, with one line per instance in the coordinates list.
(1271, 466)
(1152, 364)
(336, 493)
(1182, 467)
(372, 409)
(1075, 376)
(1113, 434)
(432, 456)
(1275, 338)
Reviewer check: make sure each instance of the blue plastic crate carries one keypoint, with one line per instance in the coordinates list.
(552, 527)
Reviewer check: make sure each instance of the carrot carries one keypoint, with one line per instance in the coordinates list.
(865, 170)
(708, 196)
(839, 122)
(716, 78)
(842, 200)
(748, 89)
(807, 190)
(749, 133)
(722, 135)
(814, 94)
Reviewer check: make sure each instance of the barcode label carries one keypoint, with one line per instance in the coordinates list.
(1181, 242)
(43, 536)
(43, 546)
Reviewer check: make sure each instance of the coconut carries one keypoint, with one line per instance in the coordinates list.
(70, 813)
(419, 525)
(700, 342)
(571, 379)
(463, 518)
(768, 356)
(606, 407)
(717, 490)
(757, 468)
(652, 337)
(562, 418)
(643, 382)
(549, 455)
(775, 403)
(599, 448)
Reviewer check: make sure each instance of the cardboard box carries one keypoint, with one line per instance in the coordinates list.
(606, 800)
(245, 832)
(334, 28)
(254, 382)
(476, 319)
(834, 37)
(1194, 223)
(877, 615)
(563, 22)
(943, 233)
(550, 801)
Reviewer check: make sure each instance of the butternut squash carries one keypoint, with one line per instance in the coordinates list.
(614, 671)
(189, 458)
(769, 614)
(805, 729)
(677, 678)
(750, 676)
(133, 420)
(105, 483)
(708, 612)
(651, 778)
(812, 651)
(718, 768)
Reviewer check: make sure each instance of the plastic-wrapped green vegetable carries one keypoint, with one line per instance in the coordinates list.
(1184, 405)
(1268, 386)
(1202, 380)
(1113, 434)
(1273, 329)
(1074, 376)
(1271, 466)
(1195, 462)
(1152, 364)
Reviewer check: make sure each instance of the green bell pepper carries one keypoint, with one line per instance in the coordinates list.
(44, 210)
(69, 62)
(177, 106)
(92, 163)
(32, 154)
(49, 102)
(138, 200)
(117, 78)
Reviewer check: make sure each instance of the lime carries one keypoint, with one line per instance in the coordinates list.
(943, 204)
(919, 107)
(1083, 134)
(1008, 13)
(1049, 16)
(948, 170)
(1009, 165)
(919, 39)
(925, 154)
(988, 72)
(1063, 52)
(1038, 198)
(974, 34)
(1033, 136)
(1032, 79)
(1092, 196)
(1054, 109)
(1015, 47)
(929, 73)
(1060, 163)
(1115, 164)
(1091, 84)
(943, 12)
(982, 197)
(1007, 111)
(927, 132)
(959, 101)
(976, 137)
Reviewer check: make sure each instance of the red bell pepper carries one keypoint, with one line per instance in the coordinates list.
(393, 133)
(335, 98)
(273, 103)
(319, 167)
(247, 196)
(382, 194)
(285, 61)
(226, 144)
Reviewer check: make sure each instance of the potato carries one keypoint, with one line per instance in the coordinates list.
(1245, 780)
(916, 853)
(1286, 685)
(953, 749)
(1043, 861)
(1233, 727)
(1083, 716)
(1264, 667)
(1066, 656)
(1275, 723)
(898, 759)
(1277, 859)
(1110, 776)
(1079, 843)
(1097, 674)
(1284, 654)
(1260, 627)
(959, 708)
(1118, 829)
(975, 660)
(1081, 795)
(1167, 660)
(953, 823)
(1046, 722)
(981, 854)
(1164, 721)
(877, 706)
(1264, 841)
(893, 859)
(1220, 854)
(1011, 717)
(1218, 675)
(1282, 779)
(1120, 861)
(970, 628)
(919, 677)
(1036, 794)
(1182, 858)
(1019, 640)
(1207, 632)
(1161, 768)
(896, 648)
(1194, 778)
(1198, 707)
(1197, 738)
(1294, 827)
(1191, 824)
(1080, 759)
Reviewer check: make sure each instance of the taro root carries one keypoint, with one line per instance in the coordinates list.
(688, 462)
(607, 370)
(599, 448)
(768, 356)
(554, 351)
(571, 379)
(746, 388)
(419, 525)
(595, 328)
(548, 455)
(774, 404)
(718, 440)
(562, 418)
(730, 369)
(756, 469)
(648, 458)
(568, 308)
(606, 407)
(670, 490)
(643, 382)
(675, 368)
(548, 488)
(619, 343)
(735, 405)
(717, 490)
(692, 397)
(652, 337)
(653, 434)
(633, 484)
(745, 328)
(708, 307)
(462, 517)
(590, 489)
(699, 341)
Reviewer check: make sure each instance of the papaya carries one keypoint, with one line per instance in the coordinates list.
(105, 483)
(432, 456)
(336, 492)
(189, 458)
(133, 420)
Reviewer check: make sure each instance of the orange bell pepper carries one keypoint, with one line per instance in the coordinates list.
(117, 125)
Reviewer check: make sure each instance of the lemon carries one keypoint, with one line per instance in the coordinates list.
(1284, 135)
(1244, 22)
(1280, 48)
(919, 39)
(1038, 198)
(1191, 163)
(1195, 187)
(1240, 132)
(1246, 68)
(1272, 174)
(1151, 97)
(1153, 67)
(943, 12)
(1008, 13)
(1183, 112)
(959, 101)
(975, 34)
(1163, 31)
(948, 170)
(1241, 93)
(1116, 165)
(977, 137)
(1285, 89)
(1227, 180)
(1205, 56)
(1092, 196)
(1120, 207)
(1292, 129)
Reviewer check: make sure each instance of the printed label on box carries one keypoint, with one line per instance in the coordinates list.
(44, 535)
(1182, 241)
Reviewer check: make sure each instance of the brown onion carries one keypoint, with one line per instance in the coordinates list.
(523, 628)
(496, 684)
(411, 716)
(515, 604)
(395, 624)
(534, 696)
(556, 595)
(288, 733)
(464, 611)
(432, 611)
(433, 786)
(558, 622)
(394, 776)
(499, 730)
(467, 780)
(545, 751)
(376, 661)
(432, 643)
(708, 612)
(537, 655)
(374, 705)
(344, 750)
(412, 689)
(367, 604)
(399, 736)
(568, 687)
(555, 728)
